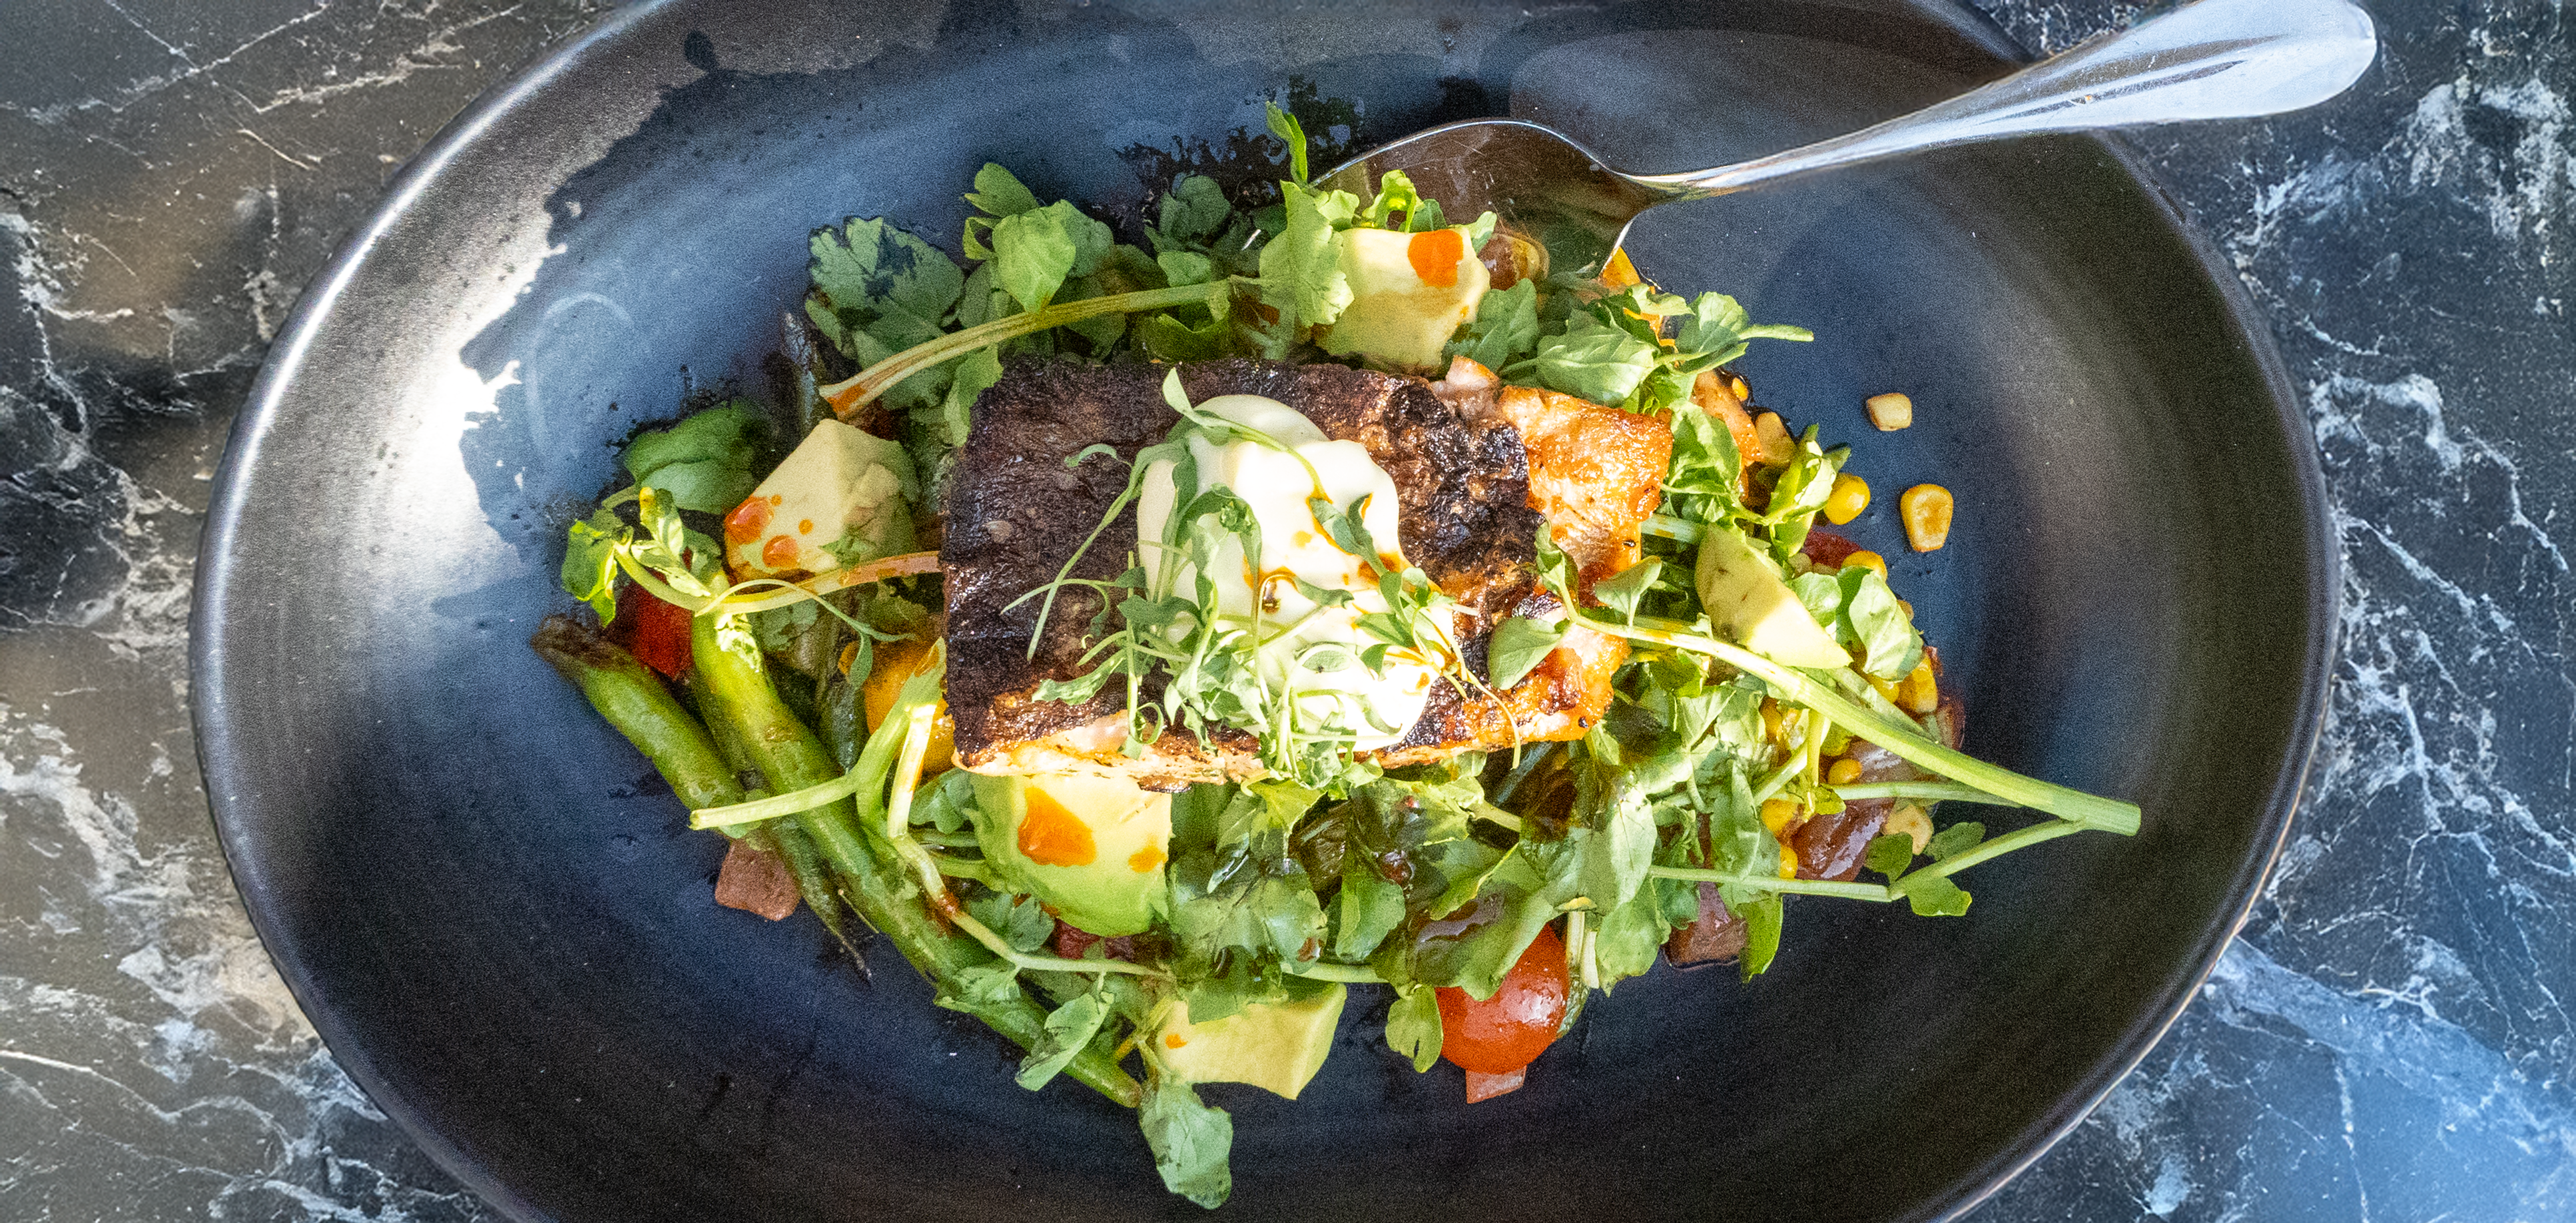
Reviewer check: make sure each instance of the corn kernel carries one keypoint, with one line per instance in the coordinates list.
(1773, 433)
(1738, 385)
(1920, 692)
(1885, 688)
(1788, 863)
(1843, 773)
(1867, 560)
(1891, 411)
(1849, 498)
(1926, 509)
(1778, 814)
(1910, 820)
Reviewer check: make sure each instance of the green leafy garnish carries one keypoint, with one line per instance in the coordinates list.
(1190, 1141)
(1519, 645)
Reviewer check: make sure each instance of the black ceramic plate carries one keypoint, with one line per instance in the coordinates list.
(503, 930)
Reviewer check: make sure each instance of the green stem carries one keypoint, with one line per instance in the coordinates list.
(1906, 741)
(1679, 530)
(2018, 838)
(758, 809)
(1935, 790)
(1000, 946)
(1326, 970)
(1803, 887)
(847, 397)
(635, 701)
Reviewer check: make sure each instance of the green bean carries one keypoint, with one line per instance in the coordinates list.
(814, 883)
(792, 758)
(635, 701)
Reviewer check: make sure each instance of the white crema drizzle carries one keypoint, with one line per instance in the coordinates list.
(1311, 649)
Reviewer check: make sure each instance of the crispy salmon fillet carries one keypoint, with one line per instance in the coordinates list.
(1595, 472)
(1469, 514)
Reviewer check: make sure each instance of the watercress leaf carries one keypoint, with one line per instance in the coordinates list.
(1166, 338)
(999, 193)
(1593, 360)
(1370, 907)
(969, 377)
(1891, 855)
(1190, 1140)
(1185, 267)
(1716, 328)
(1519, 645)
(948, 804)
(709, 486)
(1762, 914)
(876, 279)
(1479, 231)
(1738, 843)
(1413, 1026)
(1292, 134)
(1020, 920)
(1620, 594)
(1822, 595)
(1032, 256)
(777, 628)
(1301, 270)
(1956, 839)
(1194, 208)
(589, 570)
(1935, 896)
(1093, 241)
(1626, 939)
(1704, 467)
(1263, 806)
(979, 986)
(1505, 328)
(1395, 196)
(1068, 1029)
(729, 435)
(1621, 847)
(1891, 646)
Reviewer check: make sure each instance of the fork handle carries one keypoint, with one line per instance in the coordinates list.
(2216, 59)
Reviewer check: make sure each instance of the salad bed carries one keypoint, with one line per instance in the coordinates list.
(801, 710)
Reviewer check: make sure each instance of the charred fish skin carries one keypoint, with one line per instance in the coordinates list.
(1463, 486)
(1015, 512)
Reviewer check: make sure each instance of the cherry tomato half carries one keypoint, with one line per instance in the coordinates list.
(1509, 1030)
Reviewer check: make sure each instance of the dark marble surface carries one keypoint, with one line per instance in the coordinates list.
(2389, 1039)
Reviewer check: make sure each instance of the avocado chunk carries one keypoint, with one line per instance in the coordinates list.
(1275, 1046)
(1398, 316)
(839, 498)
(1748, 602)
(1091, 847)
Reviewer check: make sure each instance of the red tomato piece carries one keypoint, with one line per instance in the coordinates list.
(1827, 548)
(655, 632)
(1509, 1030)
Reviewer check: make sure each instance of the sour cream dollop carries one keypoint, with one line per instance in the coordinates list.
(1306, 647)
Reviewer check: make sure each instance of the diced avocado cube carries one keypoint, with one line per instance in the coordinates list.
(840, 498)
(1090, 847)
(1276, 1046)
(1409, 294)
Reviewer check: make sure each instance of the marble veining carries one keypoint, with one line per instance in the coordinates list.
(2389, 1039)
